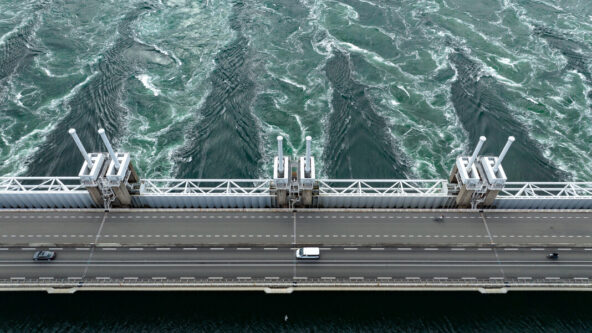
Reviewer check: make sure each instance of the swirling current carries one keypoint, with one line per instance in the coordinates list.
(386, 89)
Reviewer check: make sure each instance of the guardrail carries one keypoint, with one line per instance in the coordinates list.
(370, 283)
(546, 189)
(383, 193)
(40, 184)
(545, 195)
(67, 192)
(44, 192)
(204, 193)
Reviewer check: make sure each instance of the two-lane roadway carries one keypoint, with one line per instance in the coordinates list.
(352, 264)
(288, 228)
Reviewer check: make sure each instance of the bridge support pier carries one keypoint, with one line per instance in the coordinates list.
(90, 177)
(280, 176)
(306, 180)
(122, 196)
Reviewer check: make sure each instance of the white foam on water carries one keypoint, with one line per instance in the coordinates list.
(405, 90)
(55, 103)
(147, 82)
(394, 113)
(191, 34)
(24, 146)
(18, 99)
(301, 86)
(15, 30)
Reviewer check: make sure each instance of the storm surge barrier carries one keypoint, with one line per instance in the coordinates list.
(108, 179)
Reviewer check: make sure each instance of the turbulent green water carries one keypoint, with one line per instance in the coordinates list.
(386, 88)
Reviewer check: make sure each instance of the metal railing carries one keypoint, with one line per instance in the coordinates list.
(383, 187)
(546, 189)
(40, 184)
(205, 186)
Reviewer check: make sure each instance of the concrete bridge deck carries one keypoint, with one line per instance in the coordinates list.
(282, 228)
(246, 250)
(339, 267)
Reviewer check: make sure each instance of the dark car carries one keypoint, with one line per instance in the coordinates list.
(44, 255)
(553, 255)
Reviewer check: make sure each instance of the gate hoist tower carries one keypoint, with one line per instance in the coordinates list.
(294, 179)
(108, 177)
(479, 178)
(465, 174)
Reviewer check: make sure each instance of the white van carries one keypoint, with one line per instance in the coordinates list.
(308, 253)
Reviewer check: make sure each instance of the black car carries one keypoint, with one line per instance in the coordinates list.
(44, 255)
(553, 255)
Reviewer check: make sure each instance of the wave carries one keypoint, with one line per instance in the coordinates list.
(480, 105)
(18, 48)
(97, 104)
(569, 49)
(358, 144)
(224, 141)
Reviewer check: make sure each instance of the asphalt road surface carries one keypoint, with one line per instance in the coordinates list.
(71, 228)
(354, 264)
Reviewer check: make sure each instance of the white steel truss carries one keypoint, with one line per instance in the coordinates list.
(383, 187)
(545, 190)
(41, 184)
(205, 187)
(337, 187)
